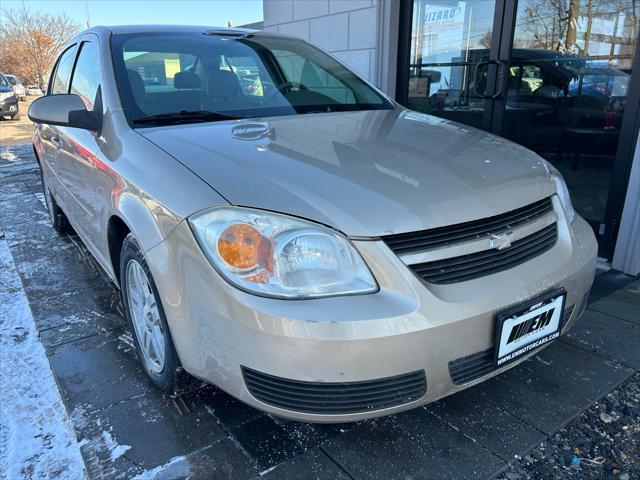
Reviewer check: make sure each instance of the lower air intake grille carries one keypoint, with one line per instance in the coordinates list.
(486, 262)
(335, 398)
(466, 369)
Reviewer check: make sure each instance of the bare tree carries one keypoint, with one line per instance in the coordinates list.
(544, 24)
(31, 41)
(572, 24)
(553, 24)
(485, 39)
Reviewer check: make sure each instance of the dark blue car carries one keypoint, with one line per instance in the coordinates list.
(8, 100)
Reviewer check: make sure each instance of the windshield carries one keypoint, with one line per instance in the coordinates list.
(11, 79)
(191, 77)
(3, 81)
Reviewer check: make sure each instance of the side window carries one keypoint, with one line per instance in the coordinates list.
(86, 75)
(524, 80)
(60, 82)
(300, 70)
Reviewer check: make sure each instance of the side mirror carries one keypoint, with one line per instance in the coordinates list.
(66, 110)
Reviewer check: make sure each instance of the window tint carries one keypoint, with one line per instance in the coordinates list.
(86, 76)
(63, 72)
(298, 69)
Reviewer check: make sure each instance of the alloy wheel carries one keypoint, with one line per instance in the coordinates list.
(145, 316)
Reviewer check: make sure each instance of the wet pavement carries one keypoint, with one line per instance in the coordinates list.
(127, 428)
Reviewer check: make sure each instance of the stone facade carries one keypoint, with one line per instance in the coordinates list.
(348, 29)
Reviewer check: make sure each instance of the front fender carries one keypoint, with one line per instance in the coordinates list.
(149, 224)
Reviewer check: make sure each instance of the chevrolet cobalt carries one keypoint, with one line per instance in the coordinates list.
(280, 228)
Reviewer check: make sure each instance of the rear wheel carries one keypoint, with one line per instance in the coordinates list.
(56, 215)
(148, 322)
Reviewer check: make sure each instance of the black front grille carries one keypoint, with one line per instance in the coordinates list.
(334, 397)
(462, 232)
(486, 262)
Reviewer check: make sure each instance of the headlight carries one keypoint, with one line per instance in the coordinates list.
(562, 191)
(280, 256)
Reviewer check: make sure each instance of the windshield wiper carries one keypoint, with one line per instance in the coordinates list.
(185, 116)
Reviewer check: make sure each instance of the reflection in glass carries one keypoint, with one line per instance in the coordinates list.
(448, 39)
(567, 86)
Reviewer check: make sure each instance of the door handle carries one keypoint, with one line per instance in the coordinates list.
(55, 140)
(502, 69)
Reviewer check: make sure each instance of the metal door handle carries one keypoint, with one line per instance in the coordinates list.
(502, 69)
(56, 140)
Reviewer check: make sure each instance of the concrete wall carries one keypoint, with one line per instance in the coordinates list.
(346, 28)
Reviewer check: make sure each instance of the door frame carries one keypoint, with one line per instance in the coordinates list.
(629, 131)
(504, 24)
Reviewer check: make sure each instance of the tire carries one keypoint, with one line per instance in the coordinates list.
(16, 116)
(57, 217)
(167, 375)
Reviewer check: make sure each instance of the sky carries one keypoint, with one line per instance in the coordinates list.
(127, 12)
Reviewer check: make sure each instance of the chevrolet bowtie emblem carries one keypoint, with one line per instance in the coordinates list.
(499, 241)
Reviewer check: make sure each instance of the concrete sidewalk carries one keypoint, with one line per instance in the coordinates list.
(207, 434)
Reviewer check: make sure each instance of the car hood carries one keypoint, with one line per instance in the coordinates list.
(366, 173)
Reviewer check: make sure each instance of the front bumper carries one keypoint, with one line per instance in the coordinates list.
(9, 106)
(408, 326)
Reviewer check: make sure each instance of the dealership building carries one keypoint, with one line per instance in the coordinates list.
(565, 84)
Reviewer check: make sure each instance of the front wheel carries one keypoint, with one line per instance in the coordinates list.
(148, 322)
(16, 116)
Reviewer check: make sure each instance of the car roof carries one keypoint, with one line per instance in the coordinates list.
(107, 31)
(125, 29)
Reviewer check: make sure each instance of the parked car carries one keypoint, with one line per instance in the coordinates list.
(317, 251)
(34, 90)
(8, 100)
(17, 86)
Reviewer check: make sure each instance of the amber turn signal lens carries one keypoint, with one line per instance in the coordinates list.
(243, 246)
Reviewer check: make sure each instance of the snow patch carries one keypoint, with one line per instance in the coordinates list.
(115, 450)
(7, 154)
(177, 467)
(37, 439)
(264, 472)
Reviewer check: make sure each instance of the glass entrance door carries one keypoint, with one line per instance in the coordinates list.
(567, 89)
(552, 75)
(449, 58)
